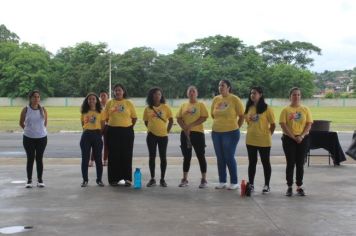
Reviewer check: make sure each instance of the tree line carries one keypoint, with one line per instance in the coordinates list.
(276, 65)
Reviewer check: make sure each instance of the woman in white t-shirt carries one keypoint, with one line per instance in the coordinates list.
(33, 120)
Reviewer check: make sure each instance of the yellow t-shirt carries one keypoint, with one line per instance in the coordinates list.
(296, 118)
(92, 120)
(156, 125)
(120, 113)
(191, 112)
(225, 111)
(258, 132)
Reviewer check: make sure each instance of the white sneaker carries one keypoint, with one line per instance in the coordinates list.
(29, 184)
(266, 189)
(233, 187)
(220, 186)
(41, 185)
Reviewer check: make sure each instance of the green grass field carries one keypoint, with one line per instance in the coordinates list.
(67, 118)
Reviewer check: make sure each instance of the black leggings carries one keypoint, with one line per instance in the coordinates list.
(152, 142)
(295, 156)
(34, 148)
(252, 162)
(197, 140)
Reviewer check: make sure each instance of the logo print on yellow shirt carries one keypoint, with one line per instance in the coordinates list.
(191, 110)
(296, 116)
(120, 108)
(254, 118)
(222, 106)
(158, 114)
(90, 119)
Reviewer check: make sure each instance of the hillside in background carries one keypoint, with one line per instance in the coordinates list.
(335, 82)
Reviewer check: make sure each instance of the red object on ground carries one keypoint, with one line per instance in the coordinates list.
(243, 188)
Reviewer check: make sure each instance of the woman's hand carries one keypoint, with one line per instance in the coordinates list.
(299, 138)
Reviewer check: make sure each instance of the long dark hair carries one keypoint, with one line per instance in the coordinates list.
(30, 95)
(123, 88)
(261, 104)
(85, 105)
(151, 92)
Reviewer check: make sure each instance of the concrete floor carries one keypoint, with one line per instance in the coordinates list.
(64, 208)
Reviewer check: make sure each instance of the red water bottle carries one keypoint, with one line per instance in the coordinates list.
(243, 188)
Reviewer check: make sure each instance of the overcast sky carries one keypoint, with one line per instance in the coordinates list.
(162, 24)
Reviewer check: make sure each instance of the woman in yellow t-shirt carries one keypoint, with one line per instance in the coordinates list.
(260, 127)
(227, 112)
(92, 120)
(103, 96)
(158, 120)
(296, 121)
(190, 117)
(121, 118)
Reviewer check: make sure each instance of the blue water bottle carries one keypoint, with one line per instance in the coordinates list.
(137, 179)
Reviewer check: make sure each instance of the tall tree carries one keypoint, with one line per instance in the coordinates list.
(283, 51)
(27, 68)
(223, 57)
(76, 69)
(133, 68)
(8, 36)
(282, 77)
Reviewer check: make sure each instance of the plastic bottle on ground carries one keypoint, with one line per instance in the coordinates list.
(137, 179)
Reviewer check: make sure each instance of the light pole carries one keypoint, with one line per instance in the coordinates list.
(110, 77)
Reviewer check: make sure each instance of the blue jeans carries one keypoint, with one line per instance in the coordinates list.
(225, 147)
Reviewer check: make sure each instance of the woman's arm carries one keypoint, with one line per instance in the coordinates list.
(102, 124)
(45, 116)
(197, 122)
(133, 120)
(181, 123)
(240, 120)
(287, 131)
(305, 132)
(22, 117)
(170, 124)
(272, 127)
(187, 128)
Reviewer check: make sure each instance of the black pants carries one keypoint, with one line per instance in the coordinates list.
(91, 140)
(120, 143)
(252, 162)
(152, 142)
(34, 148)
(197, 140)
(295, 156)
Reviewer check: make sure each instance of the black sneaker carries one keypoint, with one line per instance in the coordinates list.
(266, 189)
(100, 183)
(114, 184)
(300, 192)
(289, 192)
(151, 183)
(84, 184)
(162, 183)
